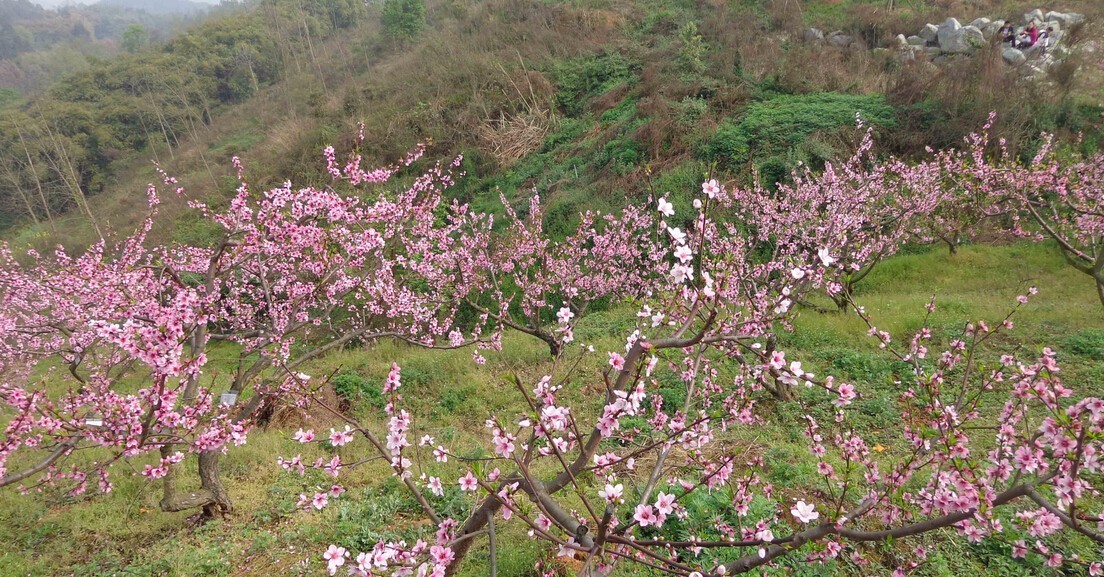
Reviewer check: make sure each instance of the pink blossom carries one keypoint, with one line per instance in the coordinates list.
(335, 557)
(665, 208)
(468, 482)
(804, 512)
(710, 188)
(339, 438)
(304, 436)
(612, 493)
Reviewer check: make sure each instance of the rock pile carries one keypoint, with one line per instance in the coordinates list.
(942, 41)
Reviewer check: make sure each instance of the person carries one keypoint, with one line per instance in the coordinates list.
(1007, 32)
(1046, 38)
(1029, 36)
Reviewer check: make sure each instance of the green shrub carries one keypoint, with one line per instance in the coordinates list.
(353, 388)
(782, 123)
(414, 373)
(403, 19)
(692, 49)
(690, 110)
(579, 79)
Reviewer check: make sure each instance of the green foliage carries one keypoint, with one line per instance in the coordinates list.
(455, 399)
(776, 128)
(135, 38)
(369, 520)
(579, 79)
(416, 374)
(690, 110)
(692, 49)
(1086, 343)
(354, 388)
(403, 19)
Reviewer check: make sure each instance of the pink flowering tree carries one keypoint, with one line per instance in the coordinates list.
(866, 207)
(971, 188)
(708, 319)
(625, 474)
(543, 287)
(1064, 198)
(295, 274)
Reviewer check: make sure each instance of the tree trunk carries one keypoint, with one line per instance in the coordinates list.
(34, 174)
(1099, 287)
(211, 496)
(475, 523)
(843, 297)
(783, 392)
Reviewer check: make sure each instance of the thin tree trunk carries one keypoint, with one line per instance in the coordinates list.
(34, 175)
(74, 184)
(23, 196)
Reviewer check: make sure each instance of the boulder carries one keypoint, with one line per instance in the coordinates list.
(930, 33)
(1013, 56)
(900, 42)
(980, 23)
(932, 50)
(1065, 19)
(840, 39)
(947, 29)
(962, 41)
(813, 35)
(916, 41)
(1035, 14)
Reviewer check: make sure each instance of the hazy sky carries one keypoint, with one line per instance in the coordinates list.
(56, 3)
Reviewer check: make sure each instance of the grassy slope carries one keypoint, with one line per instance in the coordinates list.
(124, 534)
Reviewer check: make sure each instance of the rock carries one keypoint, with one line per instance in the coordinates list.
(1035, 14)
(980, 23)
(916, 41)
(1064, 19)
(906, 56)
(1013, 56)
(900, 41)
(1032, 52)
(962, 41)
(930, 33)
(813, 35)
(948, 28)
(840, 39)
(932, 50)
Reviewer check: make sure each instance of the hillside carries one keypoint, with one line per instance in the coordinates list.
(589, 104)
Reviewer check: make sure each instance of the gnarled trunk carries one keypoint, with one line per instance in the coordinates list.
(211, 496)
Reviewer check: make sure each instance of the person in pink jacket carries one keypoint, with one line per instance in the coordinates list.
(1029, 36)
